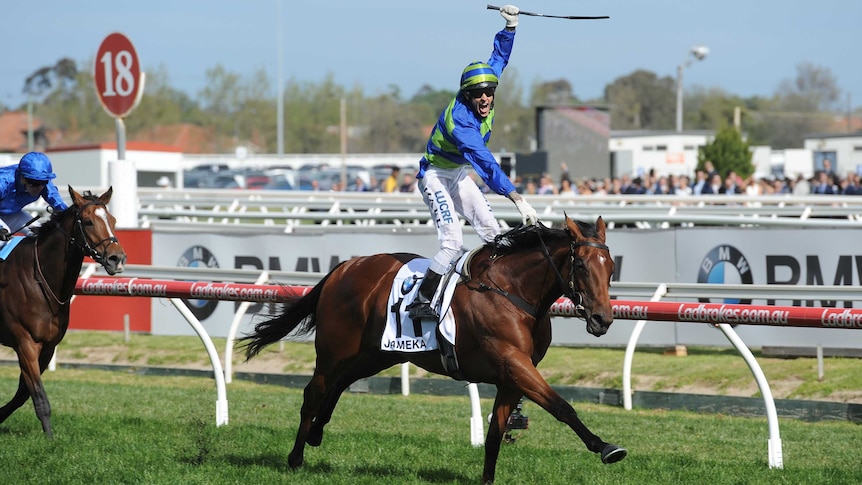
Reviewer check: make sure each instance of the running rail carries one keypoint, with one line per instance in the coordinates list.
(714, 313)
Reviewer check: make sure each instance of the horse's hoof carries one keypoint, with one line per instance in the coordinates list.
(314, 437)
(294, 462)
(613, 454)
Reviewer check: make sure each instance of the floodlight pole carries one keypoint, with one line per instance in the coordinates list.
(31, 144)
(280, 88)
(696, 53)
(679, 69)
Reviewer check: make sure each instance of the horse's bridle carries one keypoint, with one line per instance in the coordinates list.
(570, 291)
(85, 246)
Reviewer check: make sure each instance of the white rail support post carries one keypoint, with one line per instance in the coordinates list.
(127, 328)
(405, 379)
(221, 392)
(234, 326)
(776, 459)
(660, 291)
(477, 425)
(820, 362)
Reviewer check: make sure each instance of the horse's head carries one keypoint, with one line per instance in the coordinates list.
(93, 233)
(590, 275)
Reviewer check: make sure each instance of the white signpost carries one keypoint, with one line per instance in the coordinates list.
(120, 85)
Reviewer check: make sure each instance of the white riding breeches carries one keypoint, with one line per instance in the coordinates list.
(447, 193)
(16, 221)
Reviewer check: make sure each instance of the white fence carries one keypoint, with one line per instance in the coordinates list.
(292, 208)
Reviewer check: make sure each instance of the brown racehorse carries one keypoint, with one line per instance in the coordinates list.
(36, 285)
(501, 314)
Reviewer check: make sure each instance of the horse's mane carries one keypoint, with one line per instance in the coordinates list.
(527, 237)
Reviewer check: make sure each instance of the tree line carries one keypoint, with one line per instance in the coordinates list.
(236, 109)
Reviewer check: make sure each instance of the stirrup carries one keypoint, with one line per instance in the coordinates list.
(422, 311)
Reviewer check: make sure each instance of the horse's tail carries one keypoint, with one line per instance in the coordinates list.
(298, 315)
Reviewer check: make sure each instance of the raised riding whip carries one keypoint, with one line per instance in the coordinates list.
(569, 17)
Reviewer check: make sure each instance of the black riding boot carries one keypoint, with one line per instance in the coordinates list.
(421, 309)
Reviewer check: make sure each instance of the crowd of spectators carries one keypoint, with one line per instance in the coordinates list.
(406, 184)
(707, 181)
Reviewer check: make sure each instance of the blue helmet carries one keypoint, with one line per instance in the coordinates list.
(36, 166)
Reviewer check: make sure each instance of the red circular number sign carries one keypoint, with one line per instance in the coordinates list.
(117, 75)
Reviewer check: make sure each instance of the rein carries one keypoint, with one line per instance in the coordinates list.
(570, 291)
(78, 239)
(43, 283)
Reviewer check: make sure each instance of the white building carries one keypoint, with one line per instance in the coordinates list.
(667, 152)
(87, 165)
(844, 150)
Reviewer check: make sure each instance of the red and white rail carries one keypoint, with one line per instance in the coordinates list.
(714, 313)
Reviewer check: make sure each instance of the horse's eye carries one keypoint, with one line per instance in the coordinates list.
(579, 263)
(89, 223)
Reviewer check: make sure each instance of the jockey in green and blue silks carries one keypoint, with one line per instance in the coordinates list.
(459, 140)
(23, 184)
(463, 130)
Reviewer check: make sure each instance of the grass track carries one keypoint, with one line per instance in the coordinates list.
(119, 428)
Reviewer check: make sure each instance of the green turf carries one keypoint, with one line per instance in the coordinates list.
(113, 427)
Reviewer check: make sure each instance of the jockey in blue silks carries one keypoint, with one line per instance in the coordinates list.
(459, 140)
(23, 184)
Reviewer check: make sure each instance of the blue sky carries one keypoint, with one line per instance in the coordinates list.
(754, 45)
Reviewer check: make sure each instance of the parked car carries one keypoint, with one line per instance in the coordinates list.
(281, 179)
(327, 178)
(256, 181)
(226, 180)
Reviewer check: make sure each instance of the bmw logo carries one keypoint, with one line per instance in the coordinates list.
(725, 264)
(199, 257)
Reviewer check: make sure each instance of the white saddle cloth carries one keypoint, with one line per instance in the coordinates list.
(400, 333)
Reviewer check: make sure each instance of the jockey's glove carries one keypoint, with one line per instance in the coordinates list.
(510, 13)
(4, 234)
(528, 214)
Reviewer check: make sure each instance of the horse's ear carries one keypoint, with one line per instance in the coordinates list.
(574, 230)
(106, 197)
(76, 197)
(600, 229)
